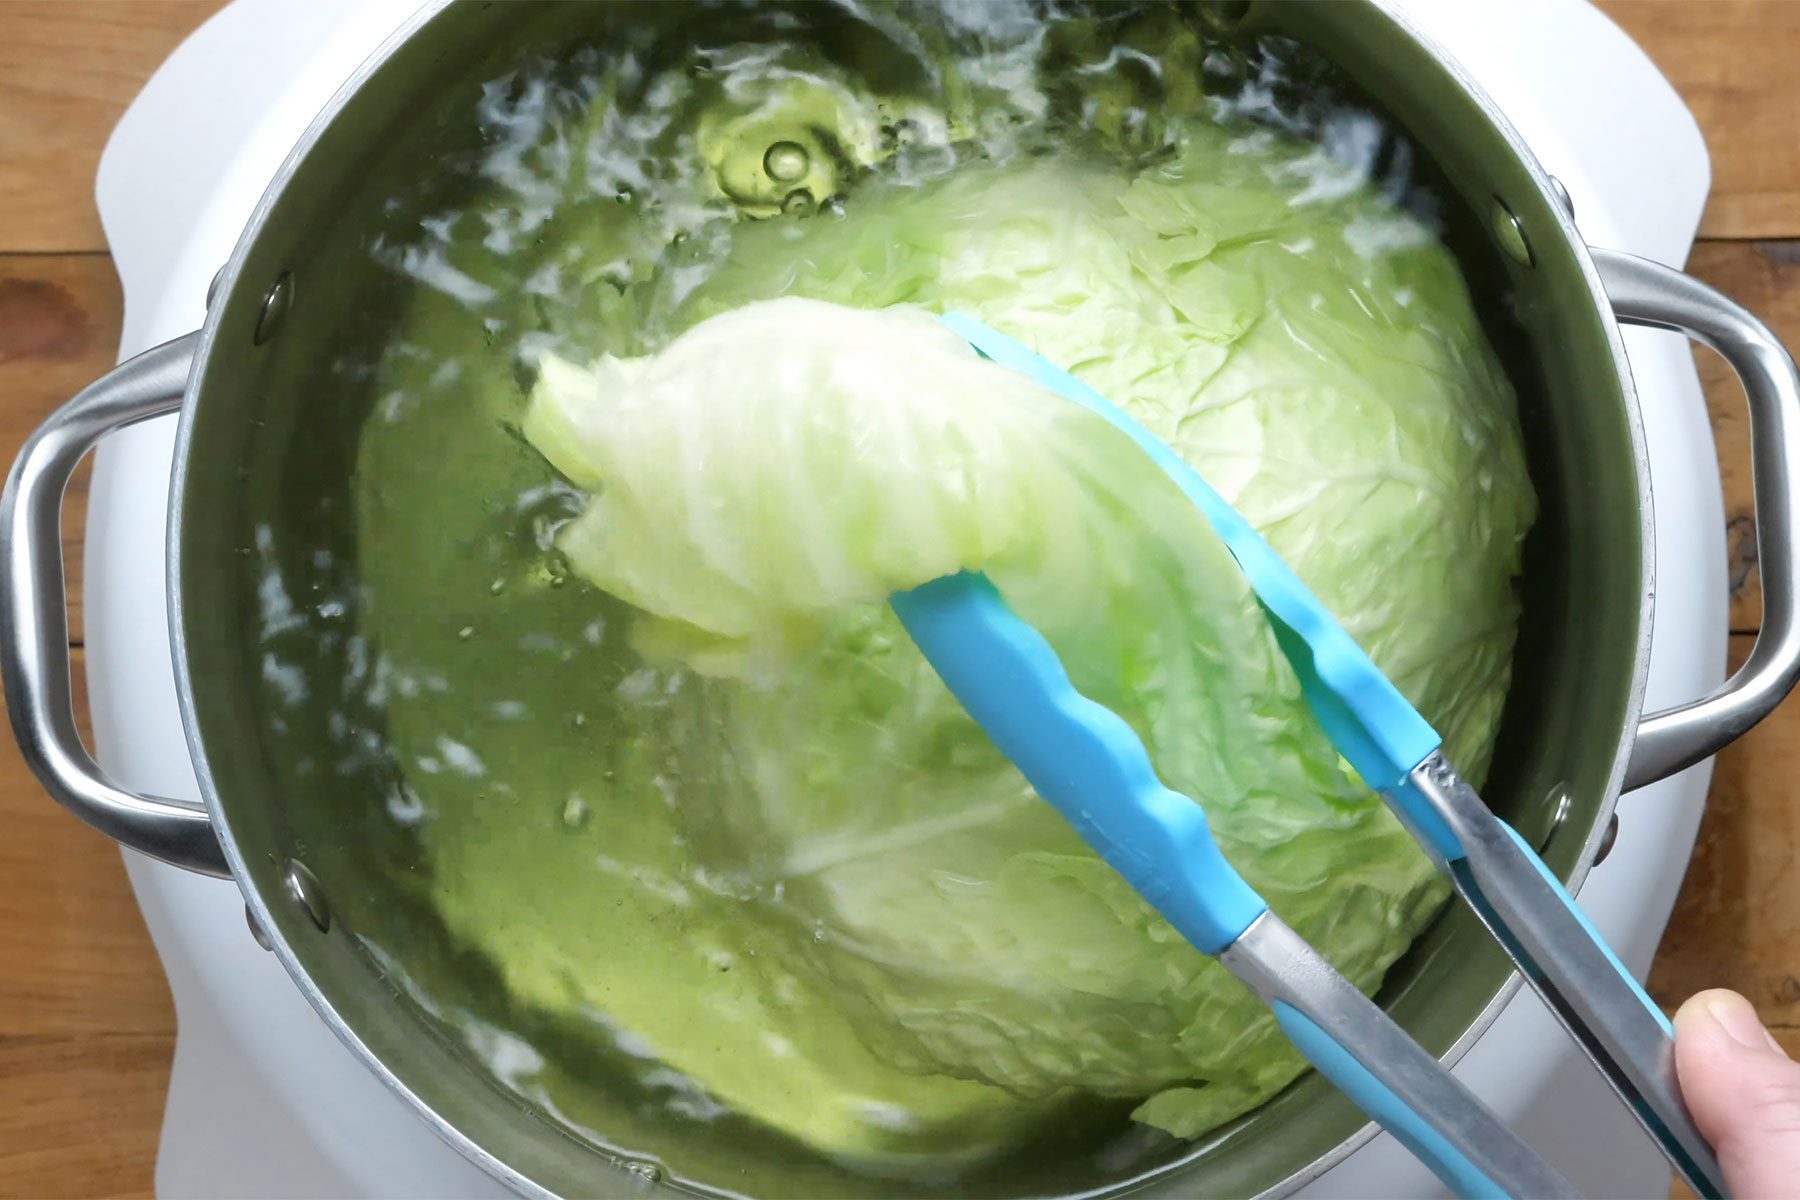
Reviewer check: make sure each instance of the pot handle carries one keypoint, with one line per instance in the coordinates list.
(1647, 293)
(34, 625)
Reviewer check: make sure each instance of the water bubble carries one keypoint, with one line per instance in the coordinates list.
(644, 1170)
(785, 162)
(575, 812)
(799, 203)
(466, 632)
(496, 587)
(624, 196)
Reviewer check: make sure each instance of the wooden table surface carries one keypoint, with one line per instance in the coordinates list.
(86, 1026)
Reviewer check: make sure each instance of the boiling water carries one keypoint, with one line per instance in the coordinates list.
(508, 761)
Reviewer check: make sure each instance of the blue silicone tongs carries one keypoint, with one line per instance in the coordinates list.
(1086, 762)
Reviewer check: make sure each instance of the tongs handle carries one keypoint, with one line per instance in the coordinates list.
(1567, 963)
(1088, 763)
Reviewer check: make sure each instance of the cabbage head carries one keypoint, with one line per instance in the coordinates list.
(815, 440)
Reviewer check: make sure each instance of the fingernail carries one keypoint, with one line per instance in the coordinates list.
(1738, 1018)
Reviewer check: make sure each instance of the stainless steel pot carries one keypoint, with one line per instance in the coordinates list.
(1574, 736)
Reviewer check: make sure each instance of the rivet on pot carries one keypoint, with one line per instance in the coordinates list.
(1510, 234)
(1607, 839)
(1559, 804)
(256, 931)
(212, 289)
(276, 302)
(304, 887)
(1562, 196)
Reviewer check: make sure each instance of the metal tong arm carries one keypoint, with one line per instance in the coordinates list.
(1087, 763)
(1567, 963)
(1389, 1076)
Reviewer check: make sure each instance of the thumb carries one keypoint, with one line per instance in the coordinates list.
(1743, 1091)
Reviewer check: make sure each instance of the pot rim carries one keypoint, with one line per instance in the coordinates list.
(227, 280)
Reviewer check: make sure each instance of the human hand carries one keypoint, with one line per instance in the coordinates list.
(1744, 1093)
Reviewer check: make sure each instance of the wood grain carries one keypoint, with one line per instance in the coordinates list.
(68, 68)
(1737, 921)
(1733, 61)
(82, 1115)
(59, 331)
(1765, 278)
(68, 923)
(87, 1027)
